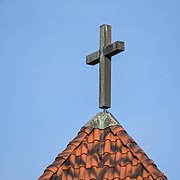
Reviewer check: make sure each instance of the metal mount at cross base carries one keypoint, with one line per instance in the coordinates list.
(103, 57)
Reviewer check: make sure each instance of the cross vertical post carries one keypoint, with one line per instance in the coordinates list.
(104, 68)
(103, 57)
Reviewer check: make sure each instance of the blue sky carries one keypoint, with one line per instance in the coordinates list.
(47, 92)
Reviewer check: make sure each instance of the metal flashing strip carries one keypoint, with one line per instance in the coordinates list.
(102, 120)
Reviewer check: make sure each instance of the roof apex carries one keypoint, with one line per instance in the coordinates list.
(102, 148)
(102, 120)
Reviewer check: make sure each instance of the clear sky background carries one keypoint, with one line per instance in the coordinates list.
(47, 92)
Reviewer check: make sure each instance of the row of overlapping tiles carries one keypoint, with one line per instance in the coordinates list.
(102, 173)
(116, 160)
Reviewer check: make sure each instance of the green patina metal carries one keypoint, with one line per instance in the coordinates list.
(102, 120)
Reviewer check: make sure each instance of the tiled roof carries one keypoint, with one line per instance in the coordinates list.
(109, 154)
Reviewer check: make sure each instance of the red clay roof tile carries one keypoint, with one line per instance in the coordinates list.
(108, 153)
(47, 175)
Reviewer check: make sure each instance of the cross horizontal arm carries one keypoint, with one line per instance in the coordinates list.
(93, 58)
(114, 49)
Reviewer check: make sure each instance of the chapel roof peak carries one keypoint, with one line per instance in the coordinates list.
(102, 120)
(107, 153)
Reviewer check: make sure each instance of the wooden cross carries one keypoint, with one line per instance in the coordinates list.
(103, 57)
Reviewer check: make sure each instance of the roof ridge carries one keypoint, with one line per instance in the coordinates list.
(63, 156)
(136, 150)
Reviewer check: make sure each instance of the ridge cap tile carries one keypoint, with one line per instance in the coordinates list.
(52, 168)
(124, 136)
(116, 128)
(162, 177)
(148, 162)
(58, 161)
(78, 139)
(155, 172)
(86, 130)
(46, 175)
